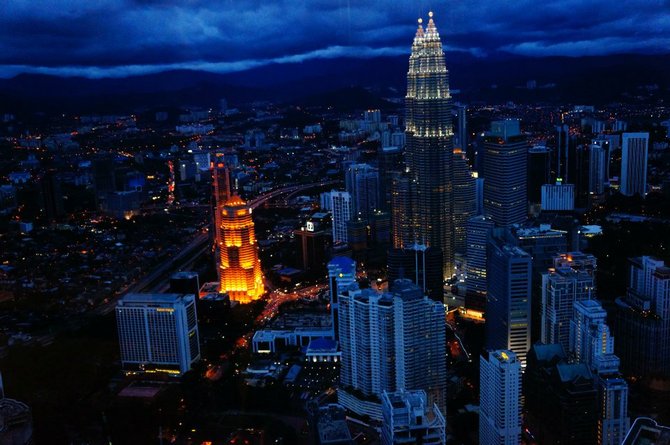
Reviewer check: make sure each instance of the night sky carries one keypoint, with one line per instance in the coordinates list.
(101, 38)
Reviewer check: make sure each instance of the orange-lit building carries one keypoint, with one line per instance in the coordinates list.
(240, 270)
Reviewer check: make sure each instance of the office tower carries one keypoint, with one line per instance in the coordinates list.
(477, 232)
(561, 399)
(558, 197)
(562, 286)
(464, 199)
(420, 264)
(389, 342)
(158, 333)
(642, 319)
(362, 183)
(562, 155)
(429, 150)
(505, 159)
(634, 152)
(462, 133)
(408, 419)
(592, 344)
(240, 273)
(508, 288)
(312, 242)
(402, 223)
(500, 398)
(342, 208)
(185, 282)
(539, 172)
(599, 170)
(391, 163)
(341, 276)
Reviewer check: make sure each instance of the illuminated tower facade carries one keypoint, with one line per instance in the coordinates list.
(429, 149)
(240, 269)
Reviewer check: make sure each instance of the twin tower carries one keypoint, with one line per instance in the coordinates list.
(425, 216)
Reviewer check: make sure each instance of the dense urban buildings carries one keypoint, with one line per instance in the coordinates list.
(361, 252)
(642, 319)
(158, 333)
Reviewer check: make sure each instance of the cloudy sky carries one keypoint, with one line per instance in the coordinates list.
(101, 38)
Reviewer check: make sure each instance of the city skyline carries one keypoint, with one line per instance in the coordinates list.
(475, 265)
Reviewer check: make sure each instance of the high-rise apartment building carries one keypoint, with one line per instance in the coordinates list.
(362, 183)
(634, 154)
(505, 164)
(342, 208)
(429, 149)
(562, 286)
(642, 319)
(500, 398)
(240, 273)
(158, 333)
(389, 342)
(592, 344)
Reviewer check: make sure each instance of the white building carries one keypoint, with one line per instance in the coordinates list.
(558, 197)
(158, 333)
(592, 344)
(342, 208)
(389, 342)
(408, 419)
(499, 399)
(634, 153)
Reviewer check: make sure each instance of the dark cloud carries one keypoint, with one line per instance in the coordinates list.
(121, 37)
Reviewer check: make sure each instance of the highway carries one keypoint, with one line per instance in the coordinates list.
(289, 190)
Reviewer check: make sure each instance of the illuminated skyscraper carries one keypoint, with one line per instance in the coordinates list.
(429, 150)
(240, 269)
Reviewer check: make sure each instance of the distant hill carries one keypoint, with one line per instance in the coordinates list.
(498, 78)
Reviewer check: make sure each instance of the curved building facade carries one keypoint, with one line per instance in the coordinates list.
(240, 268)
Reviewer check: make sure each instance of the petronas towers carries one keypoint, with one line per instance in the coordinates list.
(429, 151)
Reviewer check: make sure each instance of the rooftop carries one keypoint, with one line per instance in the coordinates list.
(152, 298)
